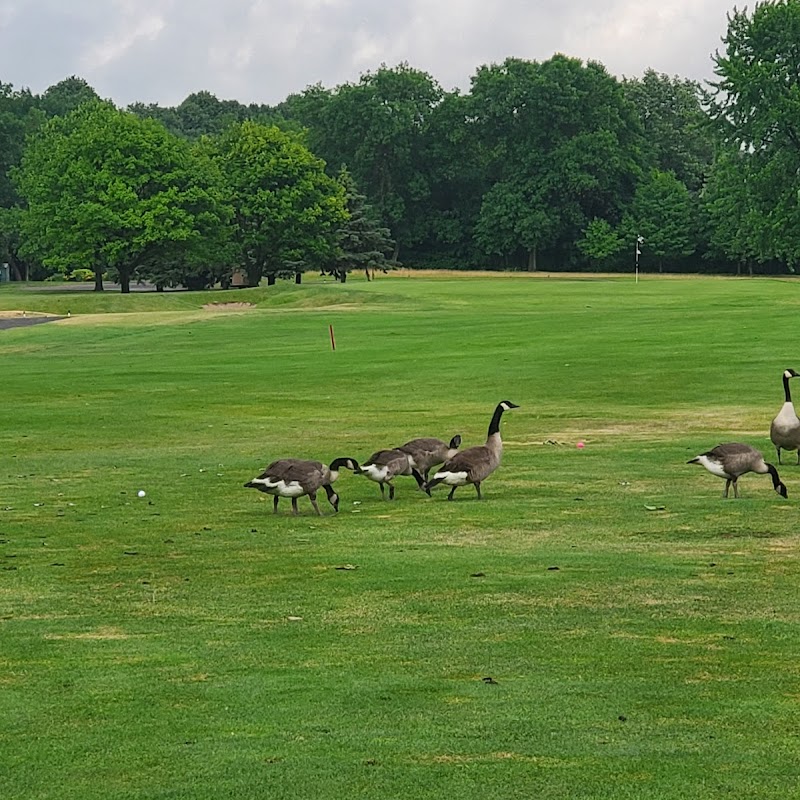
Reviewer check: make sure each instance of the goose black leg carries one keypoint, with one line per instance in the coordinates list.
(313, 499)
(736, 488)
(727, 486)
(294, 506)
(391, 491)
(452, 492)
(383, 493)
(478, 490)
(275, 504)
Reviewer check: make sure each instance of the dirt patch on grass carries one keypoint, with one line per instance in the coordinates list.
(104, 633)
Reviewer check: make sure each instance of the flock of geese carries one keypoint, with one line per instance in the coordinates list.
(731, 461)
(293, 478)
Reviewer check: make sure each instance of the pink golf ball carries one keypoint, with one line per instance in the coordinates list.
(580, 445)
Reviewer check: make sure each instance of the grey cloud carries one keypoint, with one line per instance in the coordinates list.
(263, 50)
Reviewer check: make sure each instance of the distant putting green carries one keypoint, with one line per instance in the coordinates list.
(602, 625)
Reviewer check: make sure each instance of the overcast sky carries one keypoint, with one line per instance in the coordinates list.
(159, 51)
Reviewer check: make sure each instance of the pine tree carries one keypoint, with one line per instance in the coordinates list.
(362, 242)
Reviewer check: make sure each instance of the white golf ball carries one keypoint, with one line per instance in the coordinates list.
(141, 492)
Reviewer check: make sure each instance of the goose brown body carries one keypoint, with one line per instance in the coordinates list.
(474, 464)
(784, 431)
(384, 466)
(294, 477)
(732, 460)
(428, 452)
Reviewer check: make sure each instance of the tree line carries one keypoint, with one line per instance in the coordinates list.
(552, 165)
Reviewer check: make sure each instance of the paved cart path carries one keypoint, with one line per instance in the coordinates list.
(20, 322)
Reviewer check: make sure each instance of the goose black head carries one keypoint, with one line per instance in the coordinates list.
(790, 373)
(507, 405)
(777, 484)
(455, 442)
(347, 463)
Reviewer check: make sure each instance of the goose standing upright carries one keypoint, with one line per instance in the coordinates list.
(785, 428)
(427, 452)
(474, 464)
(385, 465)
(294, 477)
(731, 461)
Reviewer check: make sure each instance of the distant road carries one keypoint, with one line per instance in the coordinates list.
(86, 286)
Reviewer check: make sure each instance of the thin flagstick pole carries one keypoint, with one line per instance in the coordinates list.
(333, 340)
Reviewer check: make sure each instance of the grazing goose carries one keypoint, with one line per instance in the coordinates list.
(428, 452)
(474, 464)
(785, 428)
(385, 465)
(730, 461)
(293, 477)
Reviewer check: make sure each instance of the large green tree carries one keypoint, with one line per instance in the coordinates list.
(10, 224)
(736, 221)
(454, 160)
(376, 128)
(564, 146)
(661, 213)
(203, 114)
(106, 190)
(600, 243)
(19, 117)
(677, 134)
(65, 96)
(287, 209)
(756, 105)
(362, 242)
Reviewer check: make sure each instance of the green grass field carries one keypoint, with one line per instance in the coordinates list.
(190, 644)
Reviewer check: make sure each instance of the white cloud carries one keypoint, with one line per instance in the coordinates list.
(263, 50)
(118, 43)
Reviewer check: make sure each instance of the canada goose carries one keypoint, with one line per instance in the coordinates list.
(428, 452)
(785, 428)
(474, 464)
(730, 461)
(385, 465)
(293, 477)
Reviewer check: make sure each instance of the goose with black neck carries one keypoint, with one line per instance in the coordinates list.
(785, 428)
(295, 477)
(474, 464)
